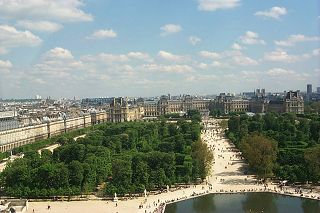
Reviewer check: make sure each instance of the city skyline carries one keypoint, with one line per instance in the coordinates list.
(146, 48)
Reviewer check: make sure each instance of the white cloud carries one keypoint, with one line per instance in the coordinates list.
(228, 58)
(10, 37)
(170, 29)
(216, 64)
(274, 12)
(251, 38)
(236, 46)
(103, 34)
(282, 56)
(279, 73)
(210, 55)
(316, 52)
(170, 57)
(293, 39)
(3, 51)
(5, 66)
(108, 58)
(202, 66)
(276, 72)
(114, 58)
(213, 5)
(39, 81)
(42, 26)
(198, 78)
(58, 53)
(244, 60)
(194, 40)
(139, 56)
(62, 10)
(57, 63)
(177, 68)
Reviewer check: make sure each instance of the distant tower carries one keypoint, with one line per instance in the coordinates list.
(309, 89)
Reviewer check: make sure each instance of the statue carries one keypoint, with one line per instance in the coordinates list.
(145, 193)
(115, 199)
(167, 188)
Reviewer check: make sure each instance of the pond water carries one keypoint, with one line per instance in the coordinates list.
(245, 203)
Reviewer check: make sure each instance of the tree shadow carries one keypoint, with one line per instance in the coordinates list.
(260, 202)
(204, 204)
(310, 206)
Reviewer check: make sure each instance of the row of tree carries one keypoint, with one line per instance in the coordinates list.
(123, 157)
(285, 145)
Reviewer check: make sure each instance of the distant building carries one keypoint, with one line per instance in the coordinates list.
(309, 88)
(318, 90)
(294, 102)
(248, 94)
(289, 102)
(308, 96)
(120, 111)
(276, 106)
(229, 103)
(258, 105)
(166, 105)
(96, 101)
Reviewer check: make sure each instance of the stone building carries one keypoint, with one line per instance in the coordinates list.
(165, 105)
(275, 106)
(290, 102)
(258, 105)
(120, 111)
(293, 102)
(229, 103)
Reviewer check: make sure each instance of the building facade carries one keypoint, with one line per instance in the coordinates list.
(293, 102)
(120, 111)
(226, 103)
(165, 105)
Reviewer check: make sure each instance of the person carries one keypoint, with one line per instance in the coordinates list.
(49, 207)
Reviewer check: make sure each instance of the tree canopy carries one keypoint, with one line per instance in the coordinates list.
(297, 138)
(126, 157)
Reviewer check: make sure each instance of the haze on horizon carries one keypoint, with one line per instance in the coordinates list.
(98, 48)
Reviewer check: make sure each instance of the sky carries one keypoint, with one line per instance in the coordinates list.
(100, 48)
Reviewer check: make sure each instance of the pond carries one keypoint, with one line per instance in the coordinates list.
(246, 202)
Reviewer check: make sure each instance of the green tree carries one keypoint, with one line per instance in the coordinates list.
(76, 173)
(312, 157)
(202, 159)
(260, 153)
(122, 175)
(194, 115)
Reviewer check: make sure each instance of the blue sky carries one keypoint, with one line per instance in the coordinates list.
(96, 48)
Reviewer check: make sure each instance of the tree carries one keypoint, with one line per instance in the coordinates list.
(75, 173)
(293, 133)
(202, 159)
(89, 178)
(260, 153)
(194, 115)
(140, 173)
(312, 157)
(121, 175)
(126, 157)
